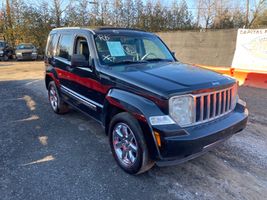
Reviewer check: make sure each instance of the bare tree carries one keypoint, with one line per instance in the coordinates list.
(259, 7)
(57, 10)
(207, 11)
(117, 12)
(129, 12)
(139, 6)
(105, 12)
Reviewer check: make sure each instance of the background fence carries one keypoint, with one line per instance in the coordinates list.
(211, 47)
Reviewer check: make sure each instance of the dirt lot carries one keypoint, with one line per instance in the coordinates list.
(45, 156)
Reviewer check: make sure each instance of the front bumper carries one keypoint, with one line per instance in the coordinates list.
(181, 145)
(26, 57)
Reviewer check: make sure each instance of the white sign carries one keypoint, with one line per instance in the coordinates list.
(251, 50)
(115, 48)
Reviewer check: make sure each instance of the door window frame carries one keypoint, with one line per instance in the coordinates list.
(76, 36)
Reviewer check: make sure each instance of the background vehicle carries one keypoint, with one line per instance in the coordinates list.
(6, 51)
(26, 51)
(154, 108)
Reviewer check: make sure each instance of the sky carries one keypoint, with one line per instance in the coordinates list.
(191, 3)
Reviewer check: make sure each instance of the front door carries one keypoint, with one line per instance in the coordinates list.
(79, 84)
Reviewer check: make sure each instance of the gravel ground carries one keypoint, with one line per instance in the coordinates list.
(46, 156)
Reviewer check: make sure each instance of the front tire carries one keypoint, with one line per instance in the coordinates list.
(5, 58)
(128, 144)
(56, 103)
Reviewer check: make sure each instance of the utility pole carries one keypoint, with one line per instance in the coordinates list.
(247, 14)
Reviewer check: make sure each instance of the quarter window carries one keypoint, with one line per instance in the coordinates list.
(52, 42)
(65, 46)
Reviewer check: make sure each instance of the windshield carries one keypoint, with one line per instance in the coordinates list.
(25, 46)
(2, 44)
(125, 49)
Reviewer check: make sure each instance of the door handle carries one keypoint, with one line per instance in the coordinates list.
(69, 68)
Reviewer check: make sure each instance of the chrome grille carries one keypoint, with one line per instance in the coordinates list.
(209, 106)
(27, 54)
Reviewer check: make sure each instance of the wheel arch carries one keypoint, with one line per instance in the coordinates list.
(140, 108)
(51, 75)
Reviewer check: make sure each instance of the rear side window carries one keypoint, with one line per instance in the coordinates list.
(65, 47)
(51, 45)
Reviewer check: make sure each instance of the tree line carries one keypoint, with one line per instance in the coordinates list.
(21, 21)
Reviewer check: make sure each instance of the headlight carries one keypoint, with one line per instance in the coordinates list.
(181, 109)
(161, 120)
(18, 53)
(34, 52)
(1, 52)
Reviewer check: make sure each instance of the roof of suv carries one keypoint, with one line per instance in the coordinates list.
(104, 30)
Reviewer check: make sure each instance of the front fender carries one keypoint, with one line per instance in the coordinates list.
(141, 108)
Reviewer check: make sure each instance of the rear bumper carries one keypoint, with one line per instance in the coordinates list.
(185, 144)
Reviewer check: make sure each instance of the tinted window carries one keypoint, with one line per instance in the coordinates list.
(52, 42)
(2, 44)
(65, 46)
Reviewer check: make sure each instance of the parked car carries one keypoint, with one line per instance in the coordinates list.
(154, 108)
(26, 51)
(6, 51)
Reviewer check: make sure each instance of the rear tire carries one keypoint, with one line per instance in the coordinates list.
(56, 103)
(128, 145)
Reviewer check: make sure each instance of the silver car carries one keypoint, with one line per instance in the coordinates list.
(26, 51)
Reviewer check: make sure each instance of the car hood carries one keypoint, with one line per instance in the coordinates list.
(24, 50)
(169, 78)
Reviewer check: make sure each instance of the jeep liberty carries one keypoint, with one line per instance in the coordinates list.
(154, 109)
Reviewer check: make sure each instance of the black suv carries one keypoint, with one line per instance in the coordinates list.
(154, 108)
(6, 51)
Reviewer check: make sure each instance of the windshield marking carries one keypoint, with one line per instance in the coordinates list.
(103, 37)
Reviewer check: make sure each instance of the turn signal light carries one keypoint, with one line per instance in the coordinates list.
(157, 136)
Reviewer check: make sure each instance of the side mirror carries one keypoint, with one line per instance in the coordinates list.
(78, 60)
(173, 53)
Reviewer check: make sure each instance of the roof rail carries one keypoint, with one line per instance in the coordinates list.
(119, 28)
(70, 28)
(60, 28)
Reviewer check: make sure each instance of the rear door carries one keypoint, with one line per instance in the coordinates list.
(62, 59)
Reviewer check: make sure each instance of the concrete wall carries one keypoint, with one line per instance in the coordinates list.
(214, 48)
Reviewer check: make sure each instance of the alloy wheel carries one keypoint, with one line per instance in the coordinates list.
(125, 144)
(53, 98)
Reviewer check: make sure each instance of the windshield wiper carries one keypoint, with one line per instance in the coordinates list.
(158, 60)
(128, 62)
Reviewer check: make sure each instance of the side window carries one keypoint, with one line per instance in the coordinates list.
(151, 47)
(65, 47)
(81, 47)
(51, 45)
